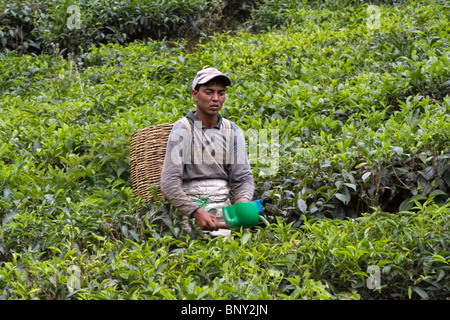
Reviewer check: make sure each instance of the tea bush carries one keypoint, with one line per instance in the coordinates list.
(40, 23)
(363, 173)
(325, 259)
(32, 26)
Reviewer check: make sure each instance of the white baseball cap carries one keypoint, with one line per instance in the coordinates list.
(205, 75)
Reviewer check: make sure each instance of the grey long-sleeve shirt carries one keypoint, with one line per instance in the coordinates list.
(208, 155)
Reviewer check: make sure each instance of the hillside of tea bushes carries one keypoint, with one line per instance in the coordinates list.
(362, 179)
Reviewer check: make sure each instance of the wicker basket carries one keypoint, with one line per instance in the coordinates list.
(147, 152)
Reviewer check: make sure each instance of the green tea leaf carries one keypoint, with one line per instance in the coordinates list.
(422, 293)
(246, 237)
(437, 192)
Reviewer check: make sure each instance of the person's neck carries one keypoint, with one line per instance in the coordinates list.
(207, 121)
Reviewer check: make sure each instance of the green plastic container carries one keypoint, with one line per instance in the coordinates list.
(241, 214)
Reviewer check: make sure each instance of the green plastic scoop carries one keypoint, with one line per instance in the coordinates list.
(243, 214)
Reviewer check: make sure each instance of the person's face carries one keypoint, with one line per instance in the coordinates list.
(209, 99)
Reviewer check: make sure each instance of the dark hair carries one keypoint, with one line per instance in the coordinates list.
(213, 81)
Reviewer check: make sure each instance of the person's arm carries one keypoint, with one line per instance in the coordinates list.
(172, 171)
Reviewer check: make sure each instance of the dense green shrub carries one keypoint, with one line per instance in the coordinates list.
(114, 21)
(35, 25)
(326, 259)
(16, 25)
(363, 120)
(344, 147)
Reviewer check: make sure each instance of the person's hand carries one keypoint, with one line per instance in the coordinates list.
(206, 220)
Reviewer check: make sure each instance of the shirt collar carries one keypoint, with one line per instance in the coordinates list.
(191, 116)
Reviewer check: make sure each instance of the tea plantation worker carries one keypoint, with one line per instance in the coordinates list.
(206, 158)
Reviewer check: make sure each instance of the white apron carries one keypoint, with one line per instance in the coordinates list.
(217, 191)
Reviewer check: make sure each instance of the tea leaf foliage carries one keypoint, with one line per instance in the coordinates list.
(362, 179)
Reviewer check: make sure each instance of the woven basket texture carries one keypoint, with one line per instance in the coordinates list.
(147, 152)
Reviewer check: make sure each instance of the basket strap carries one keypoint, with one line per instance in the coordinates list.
(186, 123)
(227, 125)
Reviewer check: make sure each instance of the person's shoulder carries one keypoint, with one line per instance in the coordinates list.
(180, 127)
(181, 123)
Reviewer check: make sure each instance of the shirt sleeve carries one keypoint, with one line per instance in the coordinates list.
(177, 148)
